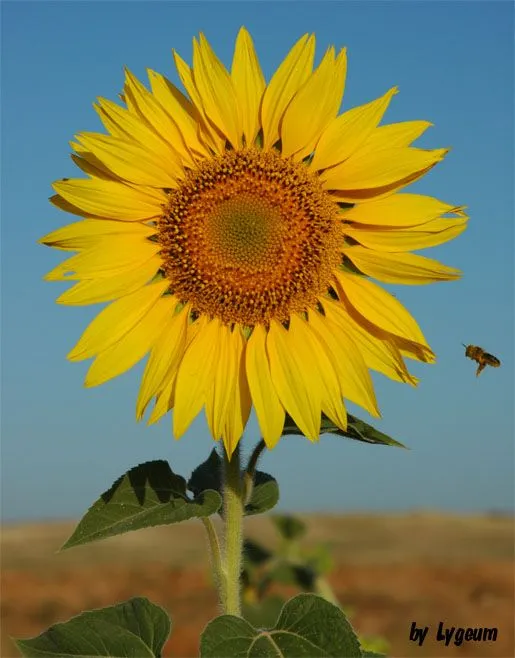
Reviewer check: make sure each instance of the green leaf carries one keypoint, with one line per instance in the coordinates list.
(308, 627)
(264, 496)
(372, 654)
(360, 431)
(290, 527)
(148, 495)
(356, 429)
(264, 613)
(136, 628)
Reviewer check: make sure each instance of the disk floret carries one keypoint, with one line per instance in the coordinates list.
(250, 236)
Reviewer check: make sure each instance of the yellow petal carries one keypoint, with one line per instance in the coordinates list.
(132, 347)
(379, 307)
(182, 111)
(291, 367)
(109, 199)
(164, 401)
(312, 108)
(165, 397)
(379, 168)
(195, 376)
(113, 322)
(378, 351)
(85, 234)
(116, 118)
(406, 268)
(220, 392)
(66, 206)
(150, 110)
(110, 256)
(351, 370)
(395, 135)
(399, 210)
(430, 234)
(239, 407)
(332, 402)
(130, 161)
(211, 135)
(164, 358)
(413, 350)
(96, 291)
(90, 164)
(131, 126)
(377, 193)
(345, 134)
(286, 81)
(216, 91)
(269, 410)
(249, 84)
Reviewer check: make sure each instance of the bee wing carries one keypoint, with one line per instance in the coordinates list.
(492, 360)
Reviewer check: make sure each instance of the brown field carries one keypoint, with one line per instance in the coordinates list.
(390, 570)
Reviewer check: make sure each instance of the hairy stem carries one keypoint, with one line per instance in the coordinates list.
(233, 520)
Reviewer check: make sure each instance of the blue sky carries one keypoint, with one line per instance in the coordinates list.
(62, 445)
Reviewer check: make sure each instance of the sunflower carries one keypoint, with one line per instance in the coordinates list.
(235, 231)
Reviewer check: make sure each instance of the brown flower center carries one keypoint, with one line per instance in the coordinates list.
(250, 236)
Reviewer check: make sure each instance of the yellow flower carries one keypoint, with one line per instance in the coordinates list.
(233, 230)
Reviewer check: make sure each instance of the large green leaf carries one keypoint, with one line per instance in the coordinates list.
(148, 495)
(135, 628)
(263, 613)
(308, 627)
(356, 429)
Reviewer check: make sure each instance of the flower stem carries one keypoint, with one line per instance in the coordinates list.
(216, 558)
(233, 520)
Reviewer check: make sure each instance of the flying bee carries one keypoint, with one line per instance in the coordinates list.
(481, 357)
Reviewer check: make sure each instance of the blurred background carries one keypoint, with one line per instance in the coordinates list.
(424, 535)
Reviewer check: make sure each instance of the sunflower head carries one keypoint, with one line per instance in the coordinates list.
(234, 231)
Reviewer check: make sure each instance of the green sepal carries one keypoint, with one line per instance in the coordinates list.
(150, 494)
(264, 496)
(133, 628)
(357, 430)
(308, 627)
(208, 475)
